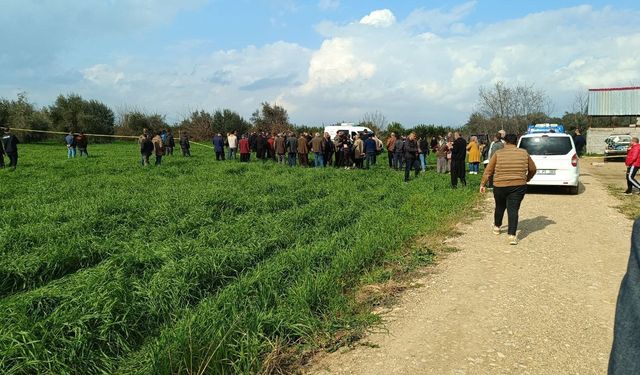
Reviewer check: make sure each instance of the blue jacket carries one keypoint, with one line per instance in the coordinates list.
(218, 143)
(370, 146)
(625, 354)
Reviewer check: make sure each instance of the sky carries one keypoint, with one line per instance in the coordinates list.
(325, 61)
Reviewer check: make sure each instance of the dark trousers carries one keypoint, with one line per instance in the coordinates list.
(244, 158)
(397, 161)
(168, 150)
(1, 160)
(457, 172)
(158, 159)
(13, 159)
(83, 151)
(624, 357)
(346, 158)
(390, 155)
(338, 162)
(370, 159)
(411, 162)
(508, 198)
(219, 155)
(359, 163)
(327, 158)
(292, 159)
(631, 179)
(186, 152)
(304, 159)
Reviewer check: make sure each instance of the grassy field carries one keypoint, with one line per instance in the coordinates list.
(196, 266)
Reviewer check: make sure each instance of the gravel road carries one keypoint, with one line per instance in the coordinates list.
(545, 306)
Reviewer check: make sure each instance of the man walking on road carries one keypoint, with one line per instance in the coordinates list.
(511, 168)
(632, 163)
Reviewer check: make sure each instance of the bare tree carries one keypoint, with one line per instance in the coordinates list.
(375, 120)
(513, 107)
(580, 102)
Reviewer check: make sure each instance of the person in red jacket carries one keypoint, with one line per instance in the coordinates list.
(632, 163)
(245, 150)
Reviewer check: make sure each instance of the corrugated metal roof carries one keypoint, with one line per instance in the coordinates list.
(622, 101)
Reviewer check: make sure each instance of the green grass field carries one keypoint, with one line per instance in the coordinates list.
(196, 266)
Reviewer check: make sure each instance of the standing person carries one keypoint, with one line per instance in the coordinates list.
(82, 141)
(625, 352)
(379, 147)
(345, 150)
(10, 145)
(70, 141)
(271, 147)
(253, 137)
(1, 152)
(398, 153)
(423, 147)
(411, 151)
(292, 148)
(317, 147)
(245, 149)
(511, 169)
(434, 144)
(633, 163)
(474, 155)
(146, 149)
(358, 151)
(261, 146)
(370, 150)
(218, 146)
(580, 142)
(458, 156)
(232, 140)
(185, 145)
(337, 146)
(391, 144)
(281, 148)
(158, 147)
(441, 154)
(328, 149)
(170, 144)
(303, 150)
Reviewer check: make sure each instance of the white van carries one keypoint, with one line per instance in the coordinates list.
(555, 157)
(345, 127)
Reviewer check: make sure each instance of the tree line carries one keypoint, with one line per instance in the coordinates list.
(500, 106)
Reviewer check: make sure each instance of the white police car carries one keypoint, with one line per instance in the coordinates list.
(554, 154)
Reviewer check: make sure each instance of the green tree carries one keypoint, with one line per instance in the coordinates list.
(22, 114)
(73, 113)
(226, 121)
(397, 128)
(273, 119)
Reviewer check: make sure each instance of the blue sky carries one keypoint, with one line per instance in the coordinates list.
(324, 60)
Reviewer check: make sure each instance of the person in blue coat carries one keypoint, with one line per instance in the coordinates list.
(370, 150)
(625, 353)
(218, 146)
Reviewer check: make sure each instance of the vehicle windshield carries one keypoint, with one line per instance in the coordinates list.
(546, 145)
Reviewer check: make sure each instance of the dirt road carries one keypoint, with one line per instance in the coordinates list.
(545, 306)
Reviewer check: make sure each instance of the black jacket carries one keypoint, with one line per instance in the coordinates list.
(424, 146)
(146, 147)
(459, 150)
(410, 148)
(10, 143)
(625, 354)
(292, 145)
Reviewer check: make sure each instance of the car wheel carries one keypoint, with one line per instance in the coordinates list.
(574, 190)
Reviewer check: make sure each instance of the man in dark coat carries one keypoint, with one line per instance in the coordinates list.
(185, 145)
(411, 156)
(580, 142)
(218, 146)
(1, 155)
(370, 149)
(328, 150)
(146, 149)
(625, 353)
(252, 141)
(292, 149)
(261, 146)
(10, 146)
(458, 156)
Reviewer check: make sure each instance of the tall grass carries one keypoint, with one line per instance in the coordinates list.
(195, 266)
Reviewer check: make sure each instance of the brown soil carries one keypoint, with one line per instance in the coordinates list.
(545, 306)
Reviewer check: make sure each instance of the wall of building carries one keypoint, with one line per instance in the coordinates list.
(596, 137)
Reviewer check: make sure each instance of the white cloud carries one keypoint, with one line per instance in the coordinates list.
(426, 67)
(379, 18)
(328, 4)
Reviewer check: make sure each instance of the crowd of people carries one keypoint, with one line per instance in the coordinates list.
(349, 151)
